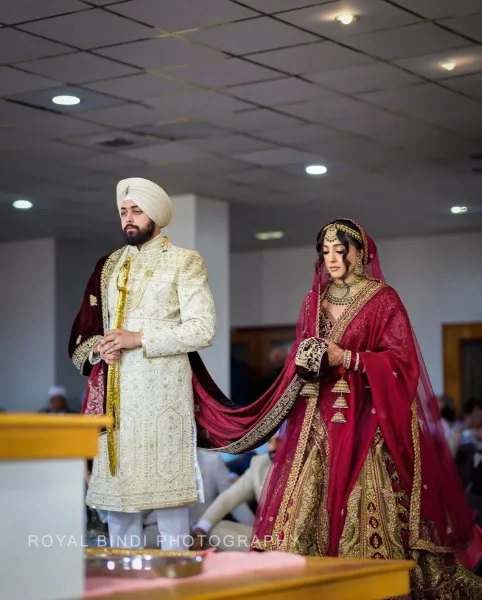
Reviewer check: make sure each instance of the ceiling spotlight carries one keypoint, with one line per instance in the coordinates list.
(22, 204)
(458, 210)
(66, 100)
(448, 66)
(316, 169)
(269, 235)
(346, 19)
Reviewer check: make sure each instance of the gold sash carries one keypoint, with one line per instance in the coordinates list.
(113, 373)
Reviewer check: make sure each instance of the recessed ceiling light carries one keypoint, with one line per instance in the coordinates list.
(458, 210)
(346, 19)
(448, 66)
(22, 204)
(66, 100)
(269, 235)
(316, 169)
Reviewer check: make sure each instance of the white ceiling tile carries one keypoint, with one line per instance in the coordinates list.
(250, 36)
(129, 115)
(359, 152)
(106, 2)
(412, 40)
(253, 120)
(12, 139)
(160, 53)
(418, 138)
(12, 113)
(274, 6)
(273, 93)
(78, 67)
(183, 130)
(469, 25)
(30, 10)
(468, 125)
(232, 71)
(165, 153)
(89, 100)
(293, 136)
(14, 82)
(373, 15)
(218, 165)
(364, 78)
(330, 106)
(139, 87)
(110, 140)
(196, 104)
(58, 126)
(437, 9)
(468, 60)
(229, 144)
(182, 15)
(16, 46)
(277, 157)
(311, 58)
(109, 162)
(469, 84)
(427, 102)
(90, 29)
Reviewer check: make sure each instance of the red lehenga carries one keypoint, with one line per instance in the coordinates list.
(382, 484)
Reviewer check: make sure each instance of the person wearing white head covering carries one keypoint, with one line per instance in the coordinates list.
(146, 307)
(57, 398)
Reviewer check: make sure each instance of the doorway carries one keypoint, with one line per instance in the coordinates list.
(250, 350)
(462, 346)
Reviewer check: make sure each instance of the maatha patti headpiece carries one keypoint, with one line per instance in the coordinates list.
(331, 235)
(331, 232)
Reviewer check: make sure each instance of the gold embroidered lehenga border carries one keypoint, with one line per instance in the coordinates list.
(287, 542)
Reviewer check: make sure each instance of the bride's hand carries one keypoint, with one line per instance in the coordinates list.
(335, 354)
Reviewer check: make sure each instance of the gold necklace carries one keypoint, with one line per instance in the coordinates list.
(343, 295)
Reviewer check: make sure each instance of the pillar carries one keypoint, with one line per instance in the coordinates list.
(202, 224)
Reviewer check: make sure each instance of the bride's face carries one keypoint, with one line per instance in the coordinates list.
(334, 254)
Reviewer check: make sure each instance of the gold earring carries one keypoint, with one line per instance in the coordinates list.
(359, 268)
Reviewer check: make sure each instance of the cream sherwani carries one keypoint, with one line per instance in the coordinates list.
(170, 301)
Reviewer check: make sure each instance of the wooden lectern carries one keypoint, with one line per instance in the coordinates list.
(42, 503)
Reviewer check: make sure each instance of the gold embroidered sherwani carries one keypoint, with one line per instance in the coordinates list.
(169, 300)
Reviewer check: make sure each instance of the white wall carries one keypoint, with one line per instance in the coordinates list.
(27, 324)
(438, 278)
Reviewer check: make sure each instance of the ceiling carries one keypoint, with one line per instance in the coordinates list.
(231, 100)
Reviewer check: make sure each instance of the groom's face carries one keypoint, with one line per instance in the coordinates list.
(138, 228)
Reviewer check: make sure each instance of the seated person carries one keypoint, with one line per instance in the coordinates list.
(216, 480)
(58, 404)
(226, 535)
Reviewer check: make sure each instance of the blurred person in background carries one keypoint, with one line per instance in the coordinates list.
(57, 398)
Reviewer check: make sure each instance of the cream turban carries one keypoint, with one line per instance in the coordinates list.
(148, 196)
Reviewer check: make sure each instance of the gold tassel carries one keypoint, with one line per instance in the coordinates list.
(113, 376)
(341, 387)
(338, 418)
(340, 402)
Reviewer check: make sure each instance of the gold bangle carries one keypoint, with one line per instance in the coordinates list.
(347, 359)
